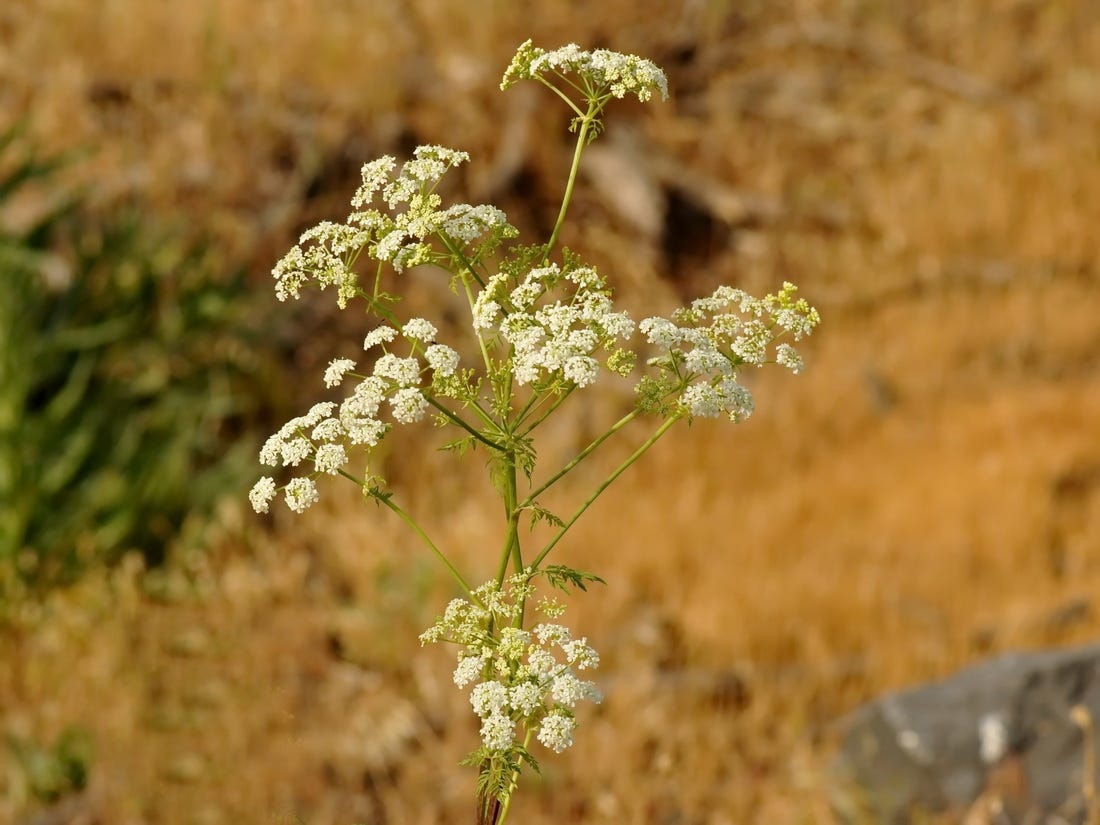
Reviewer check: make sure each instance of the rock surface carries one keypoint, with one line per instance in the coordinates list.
(1010, 740)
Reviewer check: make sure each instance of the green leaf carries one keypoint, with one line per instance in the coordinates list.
(540, 513)
(474, 757)
(460, 446)
(525, 756)
(562, 577)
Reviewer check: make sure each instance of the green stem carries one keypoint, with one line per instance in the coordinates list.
(560, 93)
(582, 140)
(533, 405)
(672, 419)
(471, 300)
(511, 551)
(581, 456)
(514, 783)
(405, 517)
(459, 421)
(457, 254)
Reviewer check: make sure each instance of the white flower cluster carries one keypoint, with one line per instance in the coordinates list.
(525, 677)
(323, 254)
(711, 339)
(404, 239)
(327, 252)
(603, 70)
(327, 431)
(555, 341)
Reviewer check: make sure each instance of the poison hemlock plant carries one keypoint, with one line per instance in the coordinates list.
(545, 328)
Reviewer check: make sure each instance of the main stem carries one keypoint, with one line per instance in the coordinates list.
(511, 550)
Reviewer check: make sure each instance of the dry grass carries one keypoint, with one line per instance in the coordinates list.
(927, 493)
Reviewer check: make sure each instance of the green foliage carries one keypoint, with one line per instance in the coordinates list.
(129, 380)
(540, 513)
(50, 772)
(562, 577)
(498, 770)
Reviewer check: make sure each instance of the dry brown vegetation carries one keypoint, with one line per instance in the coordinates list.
(927, 493)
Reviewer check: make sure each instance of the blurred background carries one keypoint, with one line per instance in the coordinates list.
(926, 494)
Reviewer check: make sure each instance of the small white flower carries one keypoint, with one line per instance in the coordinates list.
(752, 343)
(525, 295)
(367, 431)
(513, 643)
(485, 312)
(526, 697)
(272, 451)
(469, 669)
(442, 359)
(366, 398)
(408, 405)
(702, 401)
(787, 356)
(420, 330)
(737, 401)
(488, 697)
(661, 332)
(330, 458)
(497, 732)
(317, 413)
(292, 428)
(375, 174)
(582, 370)
(262, 493)
(405, 372)
(556, 731)
(336, 369)
(552, 633)
(328, 430)
(616, 324)
(541, 662)
(387, 247)
(567, 690)
(705, 401)
(379, 335)
(295, 450)
(468, 223)
(707, 360)
(580, 654)
(300, 493)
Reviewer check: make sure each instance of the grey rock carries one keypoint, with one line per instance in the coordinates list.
(1004, 741)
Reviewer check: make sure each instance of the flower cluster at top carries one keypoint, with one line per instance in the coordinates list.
(602, 71)
(519, 677)
(324, 435)
(554, 341)
(327, 253)
(704, 345)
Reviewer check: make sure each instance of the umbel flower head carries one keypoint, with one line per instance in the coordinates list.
(329, 432)
(602, 72)
(703, 347)
(407, 227)
(525, 678)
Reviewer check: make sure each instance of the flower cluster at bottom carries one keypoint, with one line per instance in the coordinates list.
(519, 677)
